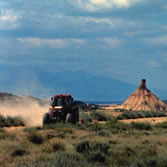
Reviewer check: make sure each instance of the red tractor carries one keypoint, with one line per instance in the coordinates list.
(62, 108)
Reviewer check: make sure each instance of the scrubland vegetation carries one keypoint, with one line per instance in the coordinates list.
(10, 121)
(88, 144)
(141, 114)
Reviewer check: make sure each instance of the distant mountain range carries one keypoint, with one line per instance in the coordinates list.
(83, 86)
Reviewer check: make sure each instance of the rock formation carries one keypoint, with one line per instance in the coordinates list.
(144, 99)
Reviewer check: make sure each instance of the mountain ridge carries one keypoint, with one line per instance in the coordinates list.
(83, 86)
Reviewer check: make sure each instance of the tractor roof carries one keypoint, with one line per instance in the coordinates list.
(63, 96)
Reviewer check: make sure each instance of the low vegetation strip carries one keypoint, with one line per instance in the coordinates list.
(140, 114)
(97, 116)
(101, 116)
(10, 121)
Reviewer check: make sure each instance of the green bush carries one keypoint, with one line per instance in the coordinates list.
(141, 126)
(60, 159)
(97, 157)
(161, 125)
(35, 138)
(2, 121)
(102, 147)
(118, 127)
(82, 146)
(85, 117)
(104, 133)
(7, 136)
(152, 162)
(124, 156)
(101, 116)
(59, 146)
(86, 146)
(93, 151)
(30, 130)
(2, 130)
(140, 114)
(19, 152)
(96, 127)
(10, 121)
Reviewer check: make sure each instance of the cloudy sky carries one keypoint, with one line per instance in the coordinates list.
(122, 39)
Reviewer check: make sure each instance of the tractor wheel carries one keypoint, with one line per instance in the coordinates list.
(46, 119)
(69, 118)
(76, 116)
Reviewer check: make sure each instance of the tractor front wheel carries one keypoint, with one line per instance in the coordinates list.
(46, 119)
(69, 118)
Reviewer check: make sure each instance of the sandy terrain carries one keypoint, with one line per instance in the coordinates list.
(154, 120)
(115, 114)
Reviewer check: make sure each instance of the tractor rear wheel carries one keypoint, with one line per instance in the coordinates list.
(76, 115)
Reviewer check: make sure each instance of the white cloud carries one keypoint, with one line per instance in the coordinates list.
(161, 40)
(113, 22)
(10, 62)
(113, 42)
(52, 43)
(89, 24)
(165, 7)
(9, 19)
(153, 64)
(95, 5)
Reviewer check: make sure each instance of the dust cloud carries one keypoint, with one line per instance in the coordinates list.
(31, 111)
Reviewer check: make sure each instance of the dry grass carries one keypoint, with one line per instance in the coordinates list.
(149, 120)
(112, 112)
(126, 145)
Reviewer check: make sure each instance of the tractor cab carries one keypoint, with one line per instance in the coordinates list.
(62, 100)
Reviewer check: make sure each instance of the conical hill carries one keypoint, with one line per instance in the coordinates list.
(144, 99)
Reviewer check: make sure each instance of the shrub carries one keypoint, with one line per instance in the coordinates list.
(2, 121)
(82, 146)
(97, 157)
(129, 151)
(10, 121)
(60, 159)
(85, 117)
(35, 138)
(102, 147)
(140, 114)
(90, 126)
(59, 147)
(2, 130)
(30, 130)
(161, 125)
(86, 146)
(152, 162)
(65, 130)
(19, 152)
(104, 133)
(101, 116)
(117, 127)
(70, 160)
(7, 136)
(141, 126)
(61, 135)
(124, 156)
(93, 151)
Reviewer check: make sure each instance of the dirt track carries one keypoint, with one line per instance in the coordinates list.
(14, 128)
